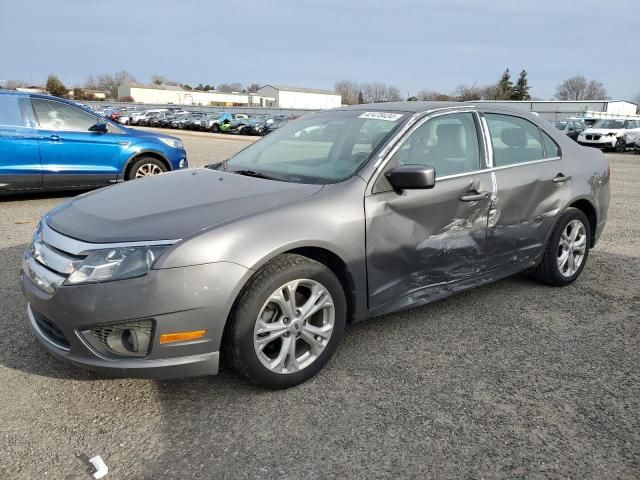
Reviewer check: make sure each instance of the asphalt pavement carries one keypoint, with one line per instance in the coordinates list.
(511, 380)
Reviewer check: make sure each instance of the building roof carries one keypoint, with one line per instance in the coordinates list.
(301, 89)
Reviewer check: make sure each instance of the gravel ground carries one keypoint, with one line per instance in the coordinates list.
(511, 380)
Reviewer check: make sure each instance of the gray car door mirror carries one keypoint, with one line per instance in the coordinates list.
(411, 177)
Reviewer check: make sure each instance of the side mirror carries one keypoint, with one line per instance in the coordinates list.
(411, 177)
(99, 128)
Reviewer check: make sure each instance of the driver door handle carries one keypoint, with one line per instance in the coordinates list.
(474, 197)
(560, 178)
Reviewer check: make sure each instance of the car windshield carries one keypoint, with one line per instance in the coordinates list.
(319, 148)
(608, 124)
(560, 125)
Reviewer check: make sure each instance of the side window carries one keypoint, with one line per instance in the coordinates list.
(448, 143)
(11, 113)
(551, 148)
(514, 139)
(52, 115)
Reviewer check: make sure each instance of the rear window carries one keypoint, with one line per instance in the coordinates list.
(10, 112)
(514, 140)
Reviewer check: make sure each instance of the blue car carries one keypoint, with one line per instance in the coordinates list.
(49, 143)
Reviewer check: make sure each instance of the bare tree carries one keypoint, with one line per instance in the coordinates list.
(579, 88)
(159, 79)
(253, 88)
(230, 87)
(393, 94)
(432, 96)
(349, 91)
(108, 83)
(13, 84)
(465, 93)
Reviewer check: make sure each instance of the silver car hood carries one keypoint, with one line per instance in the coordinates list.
(170, 206)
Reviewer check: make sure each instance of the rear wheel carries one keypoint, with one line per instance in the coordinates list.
(287, 322)
(146, 166)
(215, 128)
(567, 250)
(620, 145)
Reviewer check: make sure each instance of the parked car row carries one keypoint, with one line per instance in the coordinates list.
(606, 134)
(216, 122)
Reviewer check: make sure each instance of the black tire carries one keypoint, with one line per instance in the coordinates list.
(215, 128)
(238, 341)
(548, 271)
(140, 162)
(620, 146)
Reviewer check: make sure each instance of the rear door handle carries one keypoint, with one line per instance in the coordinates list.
(55, 138)
(560, 178)
(474, 197)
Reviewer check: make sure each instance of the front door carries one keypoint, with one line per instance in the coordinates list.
(71, 154)
(419, 239)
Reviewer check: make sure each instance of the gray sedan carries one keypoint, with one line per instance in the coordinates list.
(263, 259)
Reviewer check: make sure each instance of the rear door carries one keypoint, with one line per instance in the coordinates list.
(533, 183)
(19, 156)
(71, 154)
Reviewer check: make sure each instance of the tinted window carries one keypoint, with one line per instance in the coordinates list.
(514, 139)
(551, 148)
(10, 112)
(448, 143)
(53, 115)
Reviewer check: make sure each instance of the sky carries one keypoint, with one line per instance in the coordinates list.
(412, 44)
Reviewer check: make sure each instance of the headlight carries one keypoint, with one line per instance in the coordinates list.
(115, 264)
(172, 142)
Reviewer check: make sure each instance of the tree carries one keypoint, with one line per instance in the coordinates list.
(207, 87)
(159, 79)
(521, 88)
(393, 94)
(55, 87)
(79, 94)
(505, 86)
(109, 83)
(253, 88)
(349, 90)
(465, 93)
(230, 87)
(186, 86)
(13, 84)
(579, 88)
(126, 98)
(360, 98)
(432, 96)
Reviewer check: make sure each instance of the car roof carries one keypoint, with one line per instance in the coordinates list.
(402, 106)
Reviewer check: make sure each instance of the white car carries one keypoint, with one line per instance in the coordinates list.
(610, 134)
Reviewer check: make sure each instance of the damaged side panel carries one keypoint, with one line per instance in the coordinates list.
(426, 238)
(524, 210)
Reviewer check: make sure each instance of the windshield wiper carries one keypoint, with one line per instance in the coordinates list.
(253, 173)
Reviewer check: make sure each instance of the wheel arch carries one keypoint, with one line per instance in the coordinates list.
(145, 153)
(587, 207)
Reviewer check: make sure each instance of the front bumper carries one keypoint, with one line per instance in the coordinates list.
(179, 299)
(607, 142)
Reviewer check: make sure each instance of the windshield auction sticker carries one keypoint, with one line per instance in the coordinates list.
(388, 116)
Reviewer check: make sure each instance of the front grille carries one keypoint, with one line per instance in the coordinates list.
(50, 330)
(593, 137)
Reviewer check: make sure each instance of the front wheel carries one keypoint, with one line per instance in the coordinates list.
(215, 128)
(287, 322)
(620, 145)
(567, 250)
(146, 166)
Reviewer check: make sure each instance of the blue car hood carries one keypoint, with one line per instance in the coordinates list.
(170, 206)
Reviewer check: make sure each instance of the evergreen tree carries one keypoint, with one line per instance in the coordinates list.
(360, 98)
(505, 86)
(521, 88)
(55, 87)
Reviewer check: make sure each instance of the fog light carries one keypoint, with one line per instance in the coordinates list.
(131, 339)
(183, 163)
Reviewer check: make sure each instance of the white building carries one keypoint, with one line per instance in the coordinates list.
(560, 109)
(304, 98)
(176, 95)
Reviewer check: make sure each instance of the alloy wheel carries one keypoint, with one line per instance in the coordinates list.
(294, 326)
(572, 248)
(147, 169)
